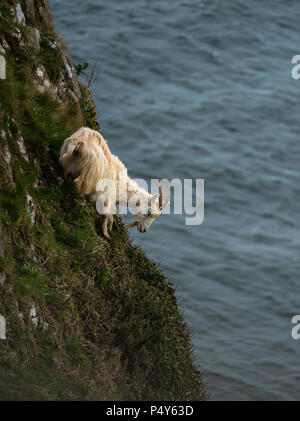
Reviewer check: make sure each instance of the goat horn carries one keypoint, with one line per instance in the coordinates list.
(162, 204)
(168, 198)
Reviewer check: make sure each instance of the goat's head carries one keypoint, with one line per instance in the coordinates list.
(149, 212)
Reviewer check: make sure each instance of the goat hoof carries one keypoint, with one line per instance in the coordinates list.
(106, 235)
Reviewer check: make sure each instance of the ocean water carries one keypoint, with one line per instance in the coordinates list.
(203, 89)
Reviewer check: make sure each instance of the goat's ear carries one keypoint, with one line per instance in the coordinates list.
(132, 223)
(154, 202)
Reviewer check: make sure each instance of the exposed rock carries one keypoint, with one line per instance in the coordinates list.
(2, 247)
(4, 46)
(71, 79)
(42, 83)
(45, 13)
(19, 37)
(21, 145)
(34, 38)
(63, 89)
(6, 155)
(60, 91)
(53, 44)
(2, 68)
(17, 34)
(2, 328)
(20, 15)
(28, 9)
(30, 207)
(33, 316)
(35, 11)
(68, 66)
(40, 73)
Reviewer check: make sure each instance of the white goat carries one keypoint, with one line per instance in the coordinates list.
(86, 160)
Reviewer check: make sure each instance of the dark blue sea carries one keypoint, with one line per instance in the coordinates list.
(203, 89)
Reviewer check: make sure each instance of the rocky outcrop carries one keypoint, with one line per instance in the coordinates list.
(35, 12)
(29, 18)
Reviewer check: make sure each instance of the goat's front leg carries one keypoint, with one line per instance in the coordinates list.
(104, 226)
(110, 221)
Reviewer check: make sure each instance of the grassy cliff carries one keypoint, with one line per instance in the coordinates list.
(86, 318)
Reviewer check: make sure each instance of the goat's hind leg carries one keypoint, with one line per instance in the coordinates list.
(103, 209)
(107, 225)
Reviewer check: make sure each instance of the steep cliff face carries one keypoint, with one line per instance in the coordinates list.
(86, 318)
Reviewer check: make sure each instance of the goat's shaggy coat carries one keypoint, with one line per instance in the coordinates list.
(86, 159)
